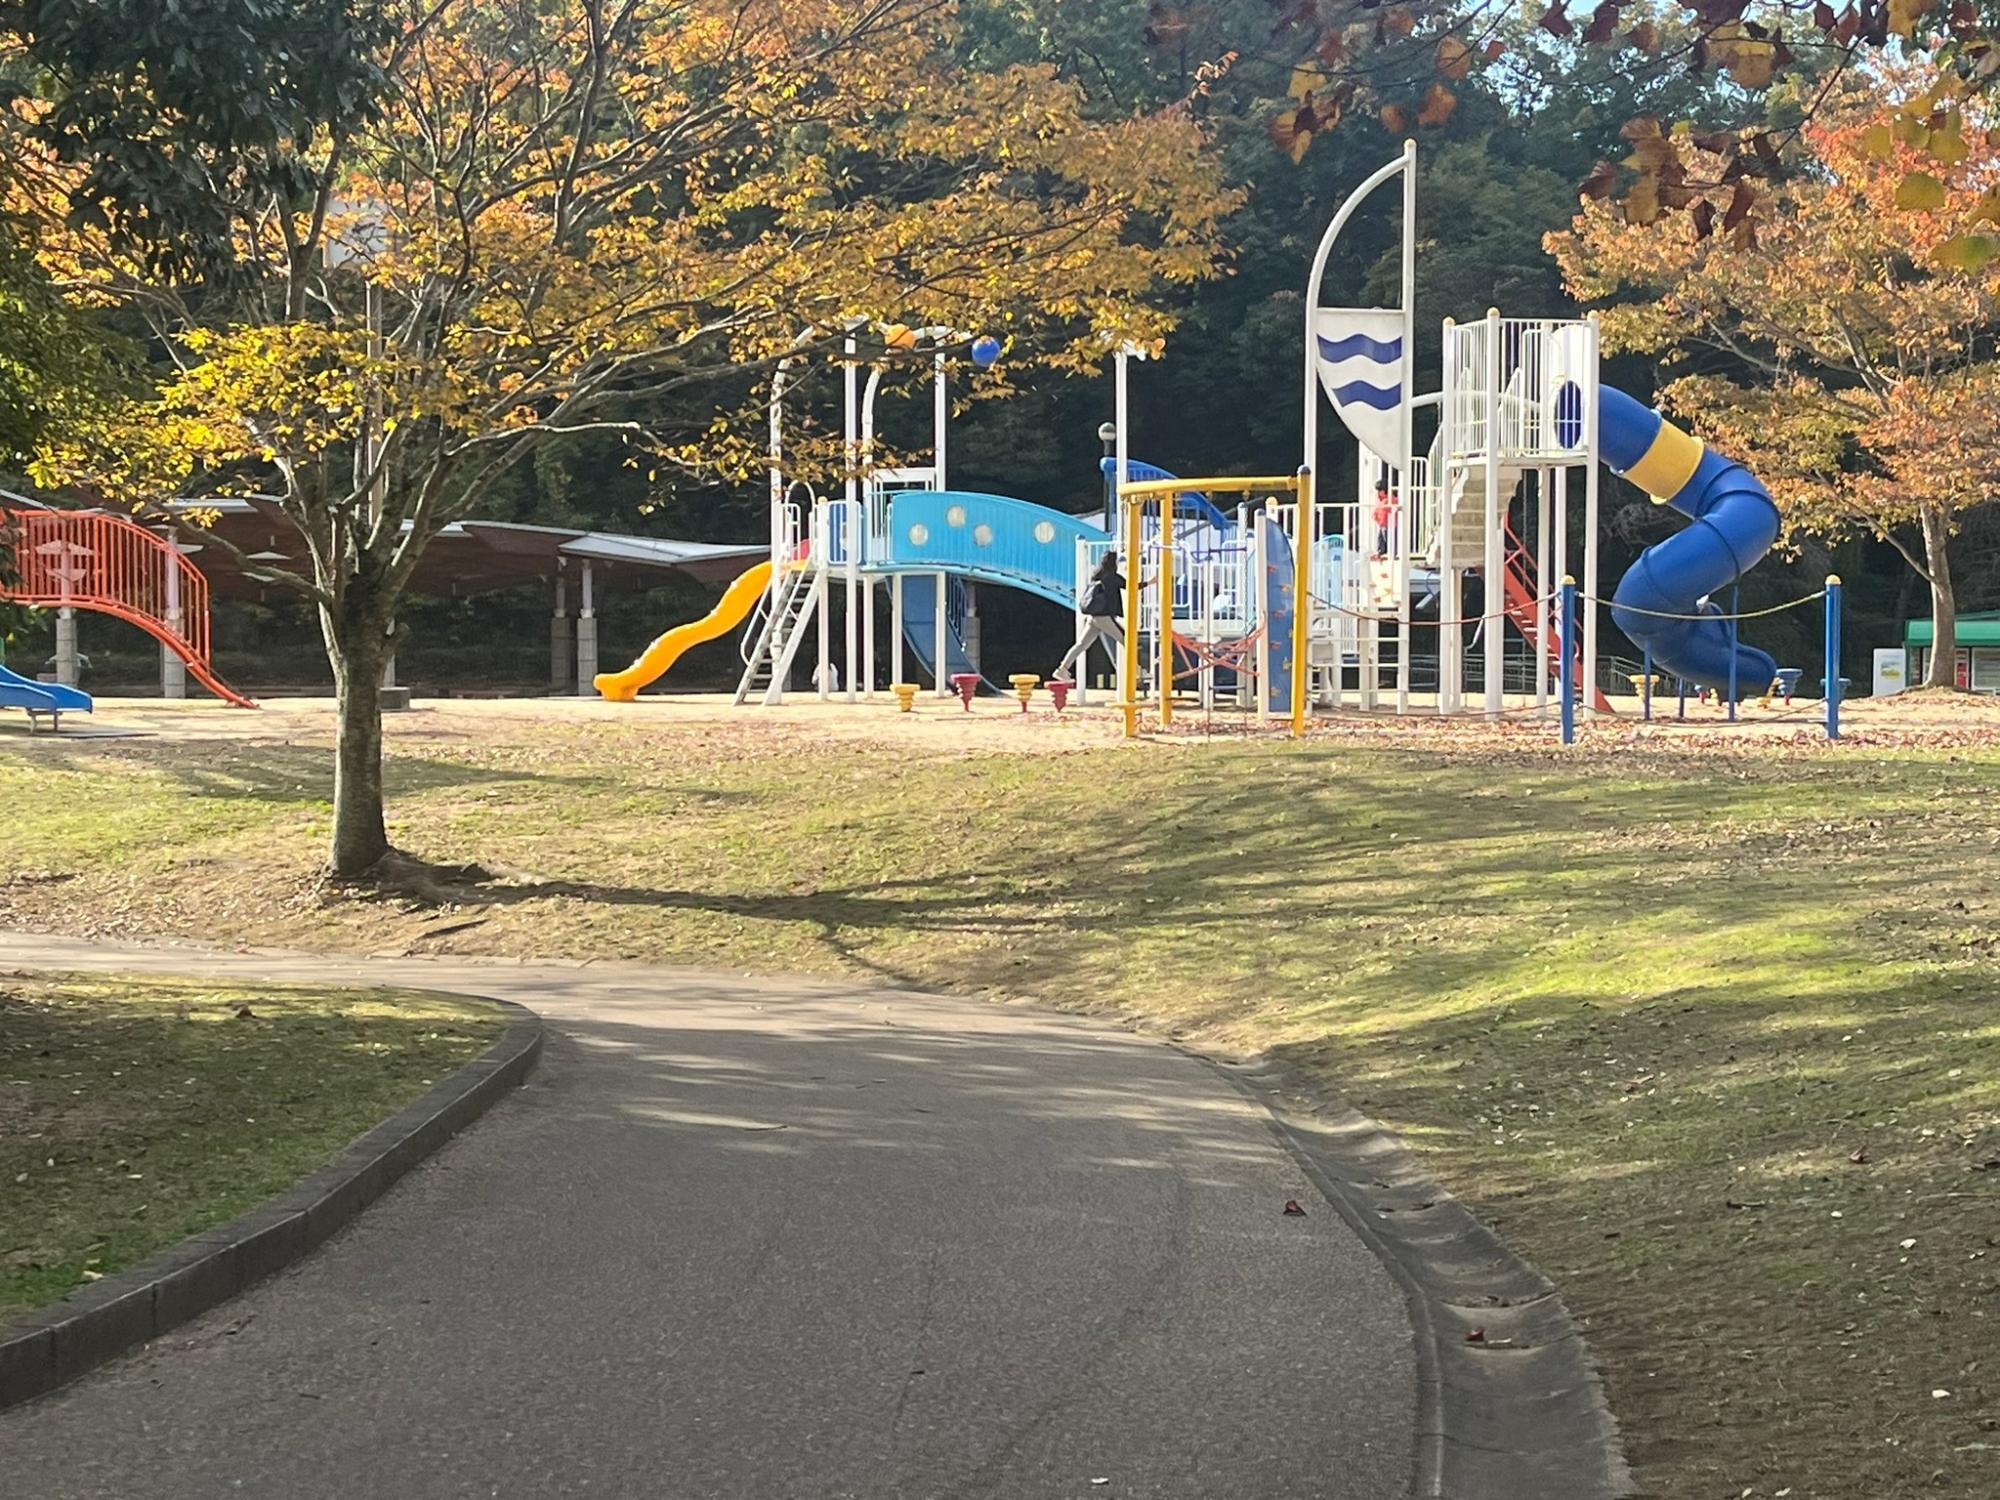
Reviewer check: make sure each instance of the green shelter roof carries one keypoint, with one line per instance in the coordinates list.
(1976, 628)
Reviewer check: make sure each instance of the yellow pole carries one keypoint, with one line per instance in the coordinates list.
(1302, 604)
(1134, 507)
(1166, 612)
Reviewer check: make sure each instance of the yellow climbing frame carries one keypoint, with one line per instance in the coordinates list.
(1132, 502)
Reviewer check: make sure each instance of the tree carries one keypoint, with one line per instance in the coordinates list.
(157, 105)
(1841, 344)
(595, 217)
(56, 367)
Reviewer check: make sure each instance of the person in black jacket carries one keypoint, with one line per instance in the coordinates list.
(1103, 607)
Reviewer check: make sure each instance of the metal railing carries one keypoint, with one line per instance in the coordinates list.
(1516, 386)
(66, 559)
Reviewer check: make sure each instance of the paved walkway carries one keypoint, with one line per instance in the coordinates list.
(781, 1241)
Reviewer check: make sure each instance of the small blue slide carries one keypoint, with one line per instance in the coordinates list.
(1735, 521)
(920, 628)
(50, 698)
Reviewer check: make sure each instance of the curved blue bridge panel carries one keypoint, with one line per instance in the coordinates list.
(988, 538)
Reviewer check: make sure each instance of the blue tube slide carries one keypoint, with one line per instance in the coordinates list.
(1735, 521)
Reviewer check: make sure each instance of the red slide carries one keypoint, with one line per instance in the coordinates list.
(94, 560)
(1520, 596)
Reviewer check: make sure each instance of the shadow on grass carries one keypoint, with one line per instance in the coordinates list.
(302, 775)
(1642, 1011)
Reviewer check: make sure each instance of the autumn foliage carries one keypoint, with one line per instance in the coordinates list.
(603, 217)
(1840, 338)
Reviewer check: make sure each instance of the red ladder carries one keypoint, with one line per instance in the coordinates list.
(1519, 583)
(93, 560)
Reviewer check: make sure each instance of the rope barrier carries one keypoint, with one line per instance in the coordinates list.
(1506, 613)
(1228, 656)
(1660, 614)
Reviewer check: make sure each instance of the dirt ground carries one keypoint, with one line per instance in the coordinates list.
(998, 726)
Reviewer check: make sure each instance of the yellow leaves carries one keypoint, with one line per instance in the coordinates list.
(1967, 253)
(1454, 57)
(1746, 55)
(1878, 141)
(1921, 192)
(1642, 202)
(1905, 14)
(1948, 145)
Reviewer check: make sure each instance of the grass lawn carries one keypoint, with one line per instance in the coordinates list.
(1708, 1030)
(135, 1112)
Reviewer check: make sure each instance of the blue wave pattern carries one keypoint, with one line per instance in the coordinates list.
(1361, 393)
(1360, 346)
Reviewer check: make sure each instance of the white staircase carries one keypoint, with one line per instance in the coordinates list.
(787, 616)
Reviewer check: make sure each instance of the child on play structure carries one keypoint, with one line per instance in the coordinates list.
(1103, 604)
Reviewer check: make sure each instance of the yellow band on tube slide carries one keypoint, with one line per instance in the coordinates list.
(1668, 464)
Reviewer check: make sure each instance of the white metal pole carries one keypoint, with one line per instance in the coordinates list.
(1449, 638)
(1403, 163)
(850, 533)
(895, 627)
(1400, 525)
(822, 556)
(1260, 532)
(1081, 668)
(1121, 418)
(939, 636)
(940, 416)
(1544, 482)
(1590, 537)
(1203, 577)
(1493, 595)
(1559, 568)
(779, 379)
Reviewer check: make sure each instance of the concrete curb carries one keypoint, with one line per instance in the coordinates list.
(1519, 1412)
(52, 1347)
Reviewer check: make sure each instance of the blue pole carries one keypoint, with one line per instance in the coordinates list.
(1569, 661)
(1833, 656)
(1734, 591)
(1647, 683)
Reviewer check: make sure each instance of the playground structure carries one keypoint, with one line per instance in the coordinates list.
(68, 560)
(1228, 573)
(1292, 600)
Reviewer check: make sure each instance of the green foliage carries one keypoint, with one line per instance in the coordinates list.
(162, 100)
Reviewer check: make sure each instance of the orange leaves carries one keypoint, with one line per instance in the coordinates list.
(1879, 387)
(1454, 58)
(1439, 102)
(1292, 129)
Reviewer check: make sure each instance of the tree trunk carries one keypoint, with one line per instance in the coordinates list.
(1944, 600)
(358, 646)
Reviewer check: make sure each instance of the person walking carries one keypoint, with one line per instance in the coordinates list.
(1103, 606)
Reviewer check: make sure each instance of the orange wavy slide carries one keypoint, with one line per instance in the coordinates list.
(737, 601)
